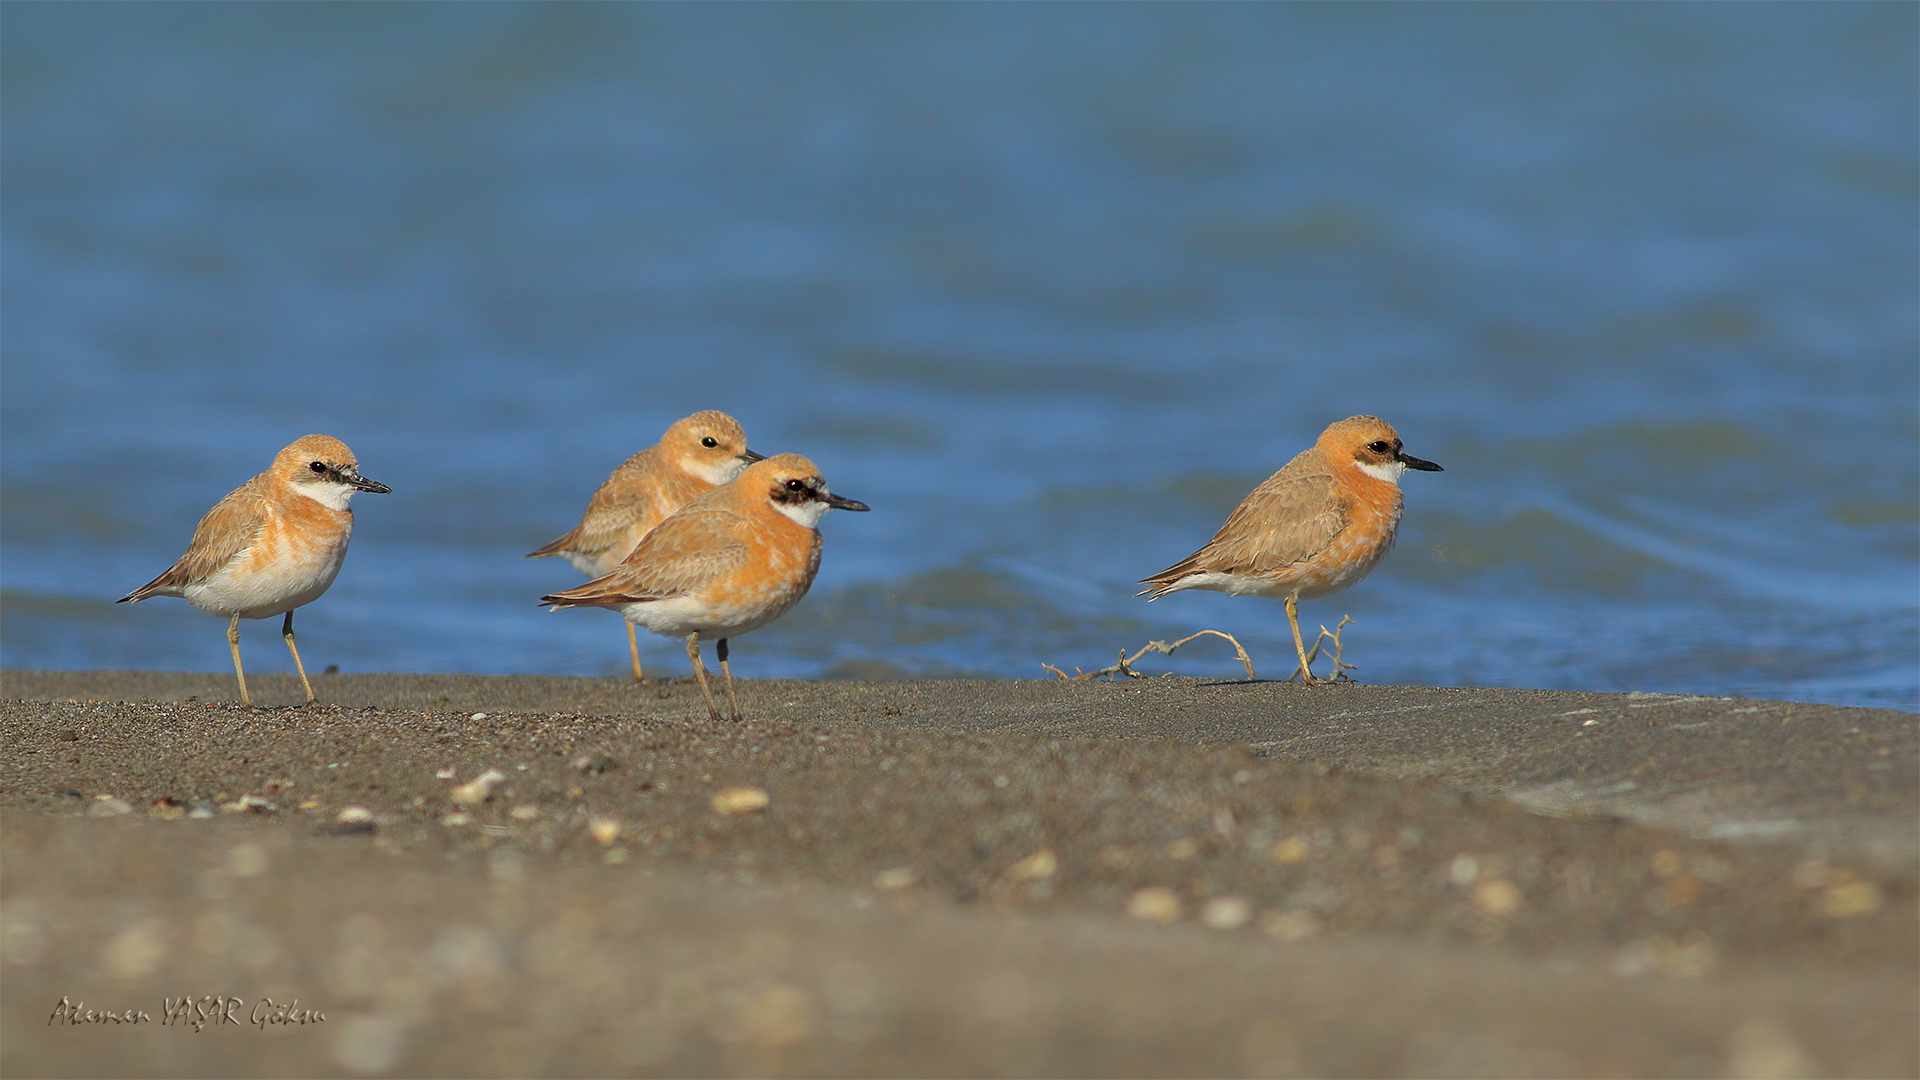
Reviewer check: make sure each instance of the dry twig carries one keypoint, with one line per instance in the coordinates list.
(1340, 667)
(1125, 666)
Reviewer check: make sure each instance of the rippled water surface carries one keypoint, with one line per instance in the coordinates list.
(1050, 287)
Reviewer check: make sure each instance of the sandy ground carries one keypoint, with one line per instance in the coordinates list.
(1162, 877)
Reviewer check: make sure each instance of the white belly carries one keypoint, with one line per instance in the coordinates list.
(684, 615)
(263, 590)
(1307, 582)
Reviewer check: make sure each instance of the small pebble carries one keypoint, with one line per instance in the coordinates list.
(897, 878)
(167, 810)
(1848, 899)
(1289, 851)
(739, 800)
(454, 821)
(525, 813)
(604, 829)
(1226, 912)
(108, 806)
(478, 716)
(1464, 870)
(1036, 867)
(354, 814)
(1497, 897)
(477, 790)
(444, 774)
(1155, 903)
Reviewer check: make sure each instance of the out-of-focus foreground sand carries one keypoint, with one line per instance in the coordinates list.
(1160, 877)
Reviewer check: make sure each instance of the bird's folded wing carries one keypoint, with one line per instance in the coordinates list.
(618, 503)
(680, 556)
(1274, 527)
(222, 536)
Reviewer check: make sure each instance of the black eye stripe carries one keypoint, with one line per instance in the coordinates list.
(795, 490)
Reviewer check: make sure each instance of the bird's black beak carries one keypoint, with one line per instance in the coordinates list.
(750, 457)
(1412, 462)
(362, 483)
(841, 502)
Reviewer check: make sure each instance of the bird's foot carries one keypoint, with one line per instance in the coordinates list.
(1340, 666)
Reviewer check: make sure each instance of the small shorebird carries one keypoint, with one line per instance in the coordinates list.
(695, 455)
(274, 543)
(1315, 527)
(730, 561)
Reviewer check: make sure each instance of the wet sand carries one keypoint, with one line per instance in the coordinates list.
(1170, 876)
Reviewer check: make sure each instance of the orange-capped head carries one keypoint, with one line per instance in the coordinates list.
(709, 444)
(1371, 445)
(321, 467)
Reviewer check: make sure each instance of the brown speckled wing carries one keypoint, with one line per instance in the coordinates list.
(680, 556)
(636, 498)
(222, 535)
(1289, 518)
(628, 496)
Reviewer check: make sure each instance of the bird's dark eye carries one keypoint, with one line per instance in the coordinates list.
(709, 442)
(318, 466)
(796, 485)
(1380, 446)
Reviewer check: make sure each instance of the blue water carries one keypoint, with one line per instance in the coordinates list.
(1051, 287)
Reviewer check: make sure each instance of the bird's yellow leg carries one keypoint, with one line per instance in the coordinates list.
(233, 642)
(732, 702)
(700, 673)
(1293, 621)
(633, 646)
(286, 631)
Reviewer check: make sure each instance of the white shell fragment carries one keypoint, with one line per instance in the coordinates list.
(478, 789)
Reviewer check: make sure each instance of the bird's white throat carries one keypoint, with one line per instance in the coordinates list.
(717, 472)
(807, 515)
(1390, 471)
(328, 493)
